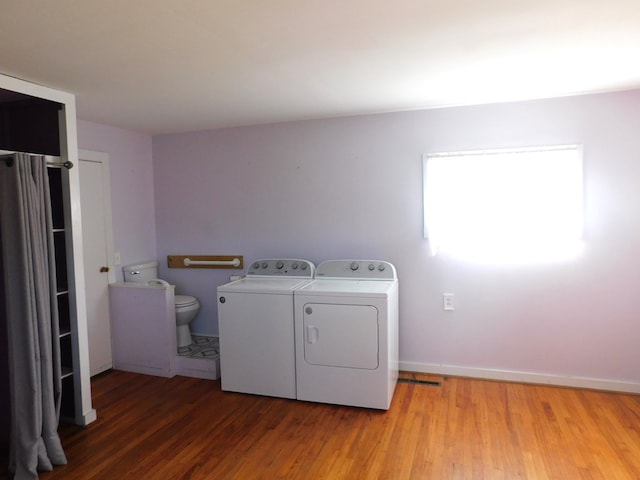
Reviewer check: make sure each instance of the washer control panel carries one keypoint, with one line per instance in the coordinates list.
(361, 269)
(281, 267)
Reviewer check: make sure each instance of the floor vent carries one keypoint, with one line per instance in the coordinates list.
(419, 382)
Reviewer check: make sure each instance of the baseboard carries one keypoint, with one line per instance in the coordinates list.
(145, 369)
(523, 377)
(89, 417)
(208, 369)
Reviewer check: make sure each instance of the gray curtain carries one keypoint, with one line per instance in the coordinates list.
(32, 316)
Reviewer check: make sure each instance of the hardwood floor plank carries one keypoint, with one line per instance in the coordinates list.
(155, 428)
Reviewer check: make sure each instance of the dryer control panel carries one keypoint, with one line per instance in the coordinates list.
(281, 267)
(358, 269)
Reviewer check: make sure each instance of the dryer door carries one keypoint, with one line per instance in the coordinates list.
(341, 335)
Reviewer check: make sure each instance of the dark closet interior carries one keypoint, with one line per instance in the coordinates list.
(5, 419)
(31, 125)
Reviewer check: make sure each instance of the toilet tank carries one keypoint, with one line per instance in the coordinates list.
(141, 272)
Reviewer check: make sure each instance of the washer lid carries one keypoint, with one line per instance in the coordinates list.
(348, 287)
(185, 300)
(263, 285)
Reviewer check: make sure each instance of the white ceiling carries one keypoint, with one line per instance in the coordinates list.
(162, 66)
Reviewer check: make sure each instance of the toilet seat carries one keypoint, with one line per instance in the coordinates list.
(185, 301)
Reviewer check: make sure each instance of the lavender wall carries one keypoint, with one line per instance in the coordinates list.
(352, 188)
(131, 171)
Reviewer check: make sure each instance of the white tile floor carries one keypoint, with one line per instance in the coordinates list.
(201, 347)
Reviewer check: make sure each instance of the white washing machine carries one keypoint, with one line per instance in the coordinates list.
(346, 328)
(255, 320)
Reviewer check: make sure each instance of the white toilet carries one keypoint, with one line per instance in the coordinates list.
(187, 307)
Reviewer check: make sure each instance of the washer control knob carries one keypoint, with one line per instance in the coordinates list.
(372, 267)
(308, 310)
(265, 264)
(256, 265)
(354, 266)
(381, 267)
(222, 299)
(279, 265)
(294, 265)
(303, 266)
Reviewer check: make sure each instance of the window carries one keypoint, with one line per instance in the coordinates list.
(516, 205)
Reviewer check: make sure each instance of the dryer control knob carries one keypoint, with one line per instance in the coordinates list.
(279, 265)
(256, 265)
(265, 265)
(294, 265)
(303, 266)
(372, 267)
(381, 267)
(355, 266)
(222, 299)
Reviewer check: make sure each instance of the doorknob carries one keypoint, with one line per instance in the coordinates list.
(104, 269)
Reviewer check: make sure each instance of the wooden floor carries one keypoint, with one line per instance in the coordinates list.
(182, 428)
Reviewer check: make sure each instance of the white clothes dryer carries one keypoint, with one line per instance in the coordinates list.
(255, 321)
(346, 328)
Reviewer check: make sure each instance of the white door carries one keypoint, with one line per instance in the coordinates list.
(97, 243)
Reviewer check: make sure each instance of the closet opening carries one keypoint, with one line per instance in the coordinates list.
(28, 124)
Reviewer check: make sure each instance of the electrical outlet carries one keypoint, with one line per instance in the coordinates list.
(447, 301)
